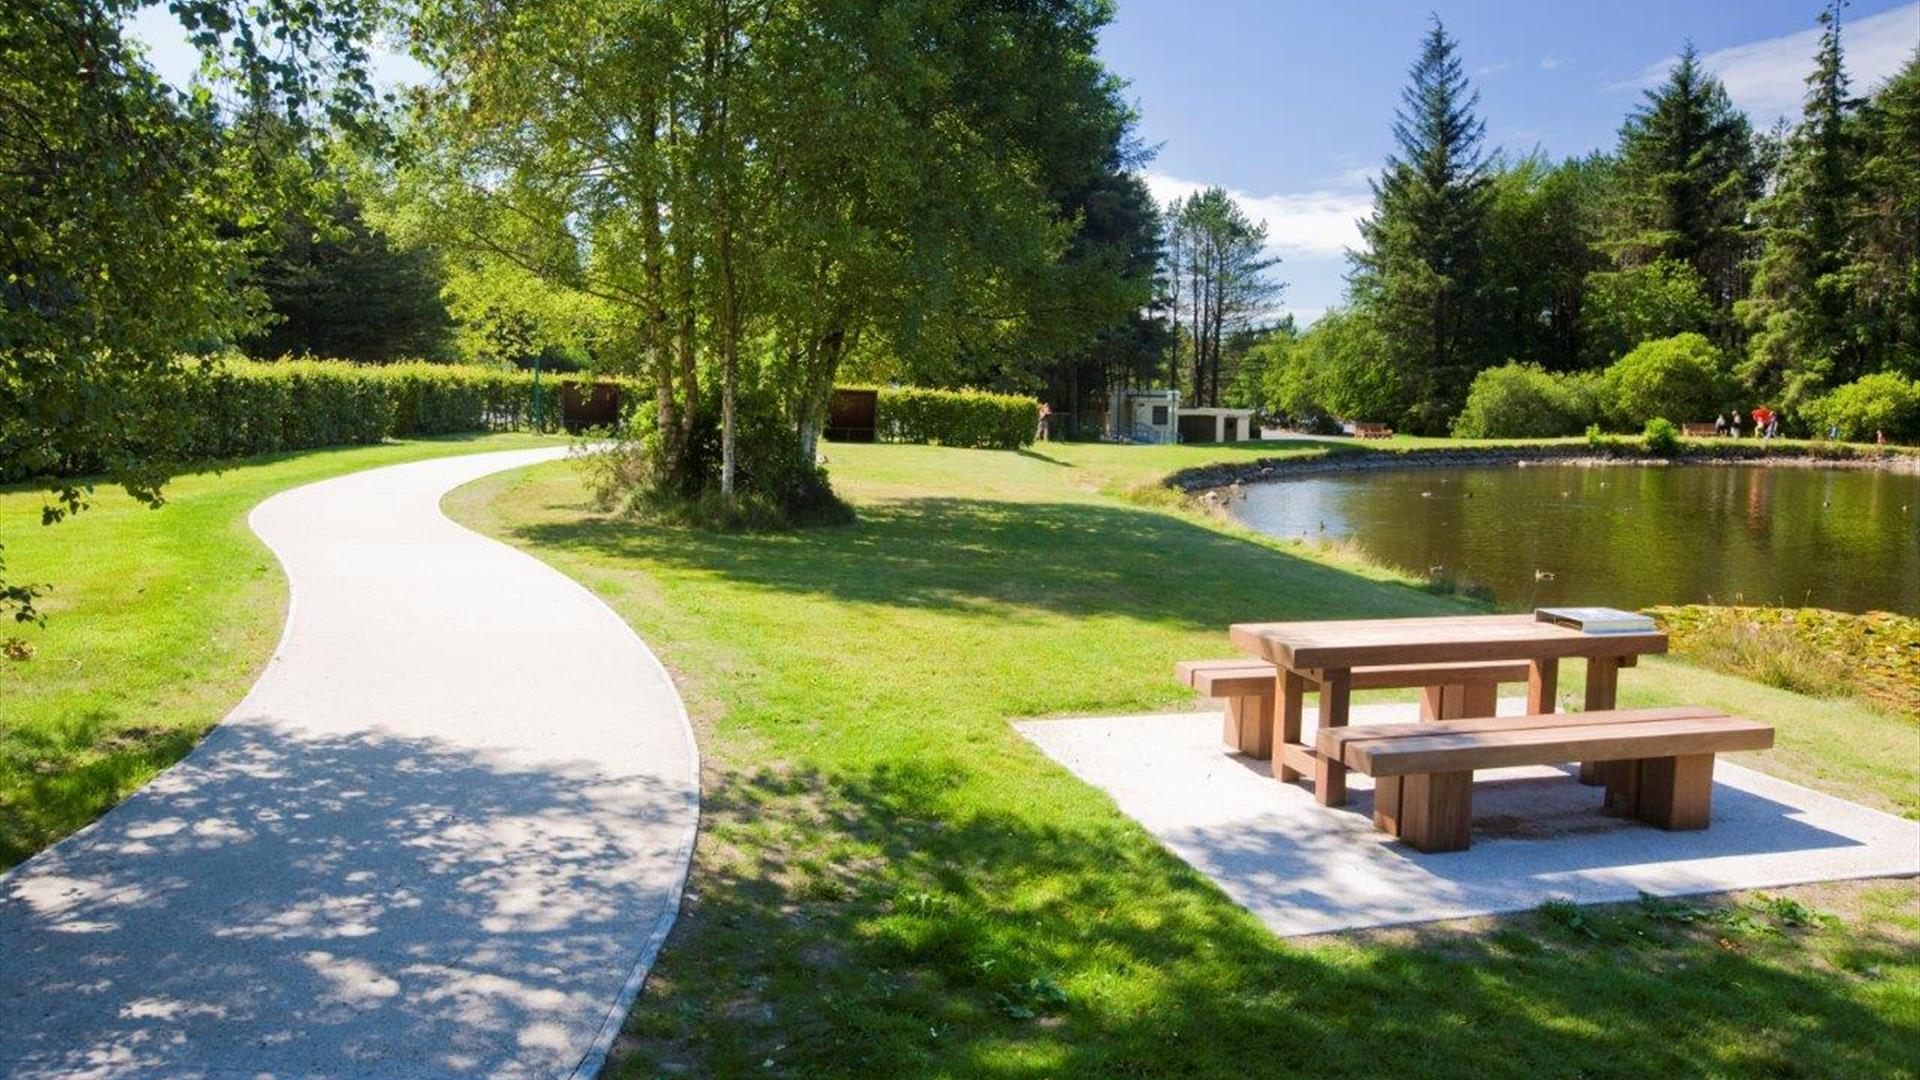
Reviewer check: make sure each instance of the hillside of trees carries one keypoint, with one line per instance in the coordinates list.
(1498, 293)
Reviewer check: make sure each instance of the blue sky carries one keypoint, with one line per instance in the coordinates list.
(1288, 105)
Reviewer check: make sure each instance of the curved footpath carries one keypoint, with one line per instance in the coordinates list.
(444, 834)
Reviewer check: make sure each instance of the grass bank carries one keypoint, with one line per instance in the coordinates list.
(890, 882)
(158, 622)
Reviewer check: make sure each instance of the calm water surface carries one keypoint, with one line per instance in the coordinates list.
(1628, 536)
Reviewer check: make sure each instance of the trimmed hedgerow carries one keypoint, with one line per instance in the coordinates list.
(965, 418)
(237, 408)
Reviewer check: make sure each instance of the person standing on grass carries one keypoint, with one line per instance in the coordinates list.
(1040, 434)
(1879, 437)
(1719, 424)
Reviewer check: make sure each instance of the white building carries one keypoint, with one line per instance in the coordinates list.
(1156, 416)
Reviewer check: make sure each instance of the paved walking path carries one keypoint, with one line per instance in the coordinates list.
(443, 835)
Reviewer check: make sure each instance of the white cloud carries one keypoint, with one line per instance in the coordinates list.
(1490, 69)
(1313, 224)
(1768, 78)
(1548, 63)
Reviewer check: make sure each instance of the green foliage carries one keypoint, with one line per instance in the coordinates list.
(339, 288)
(1683, 376)
(1420, 272)
(238, 408)
(1886, 402)
(964, 418)
(1217, 283)
(1521, 401)
(745, 197)
(1805, 305)
(1538, 246)
(1661, 437)
(1687, 174)
(1622, 308)
(129, 211)
(1341, 367)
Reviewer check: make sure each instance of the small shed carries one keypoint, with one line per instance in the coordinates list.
(853, 414)
(586, 405)
(1216, 425)
(1144, 416)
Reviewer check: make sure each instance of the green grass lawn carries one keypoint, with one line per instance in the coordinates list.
(158, 622)
(890, 882)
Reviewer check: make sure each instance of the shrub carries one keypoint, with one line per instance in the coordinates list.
(1662, 438)
(966, 418)
(1886, 402)
(1682, 376)
(775, 484)
(1522, 401)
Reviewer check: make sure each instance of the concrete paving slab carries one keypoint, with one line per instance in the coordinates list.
(1306, 869)
(444, 835)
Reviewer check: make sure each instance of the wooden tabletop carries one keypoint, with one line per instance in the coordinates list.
(1346, 643)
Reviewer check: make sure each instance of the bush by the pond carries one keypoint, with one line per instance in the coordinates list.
(1887, 402)
(1683, 376)
(1524, 401)
(964, 418)
(1661, 437)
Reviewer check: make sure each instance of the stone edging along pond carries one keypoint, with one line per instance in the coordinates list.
(1623, 451)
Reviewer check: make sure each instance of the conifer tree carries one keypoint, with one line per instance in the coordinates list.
(1420, 273)
(1799, 309)
(1687, 174)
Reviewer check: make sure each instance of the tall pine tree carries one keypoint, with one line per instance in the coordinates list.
(1687, 174)
(1885, 267)
(1420, 274)
(1799, 310)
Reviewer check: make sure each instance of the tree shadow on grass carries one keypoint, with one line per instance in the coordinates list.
(1083, 559)
(996, 944)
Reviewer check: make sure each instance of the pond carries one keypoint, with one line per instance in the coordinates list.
(1625, 536)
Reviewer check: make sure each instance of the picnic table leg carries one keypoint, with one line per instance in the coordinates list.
(1479, 699)
(1676, 792)
(1336, 700)
(1459, 701)
(1249, 725)
(1603, 683)
(1543, 686)
(1286, 725)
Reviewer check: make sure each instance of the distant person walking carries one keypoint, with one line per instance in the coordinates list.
(1719, 424)
(1879, 437)
(1046, 413)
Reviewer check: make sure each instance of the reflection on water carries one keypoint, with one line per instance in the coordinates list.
(1628, 536)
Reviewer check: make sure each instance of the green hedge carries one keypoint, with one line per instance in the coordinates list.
(237, 408)
(967, 418)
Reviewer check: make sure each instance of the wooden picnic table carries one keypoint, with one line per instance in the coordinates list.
(1325, 653)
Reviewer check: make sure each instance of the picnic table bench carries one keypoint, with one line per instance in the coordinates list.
(1329, 654)
(1657, 764)
(1248, 688)
(1371, 431)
